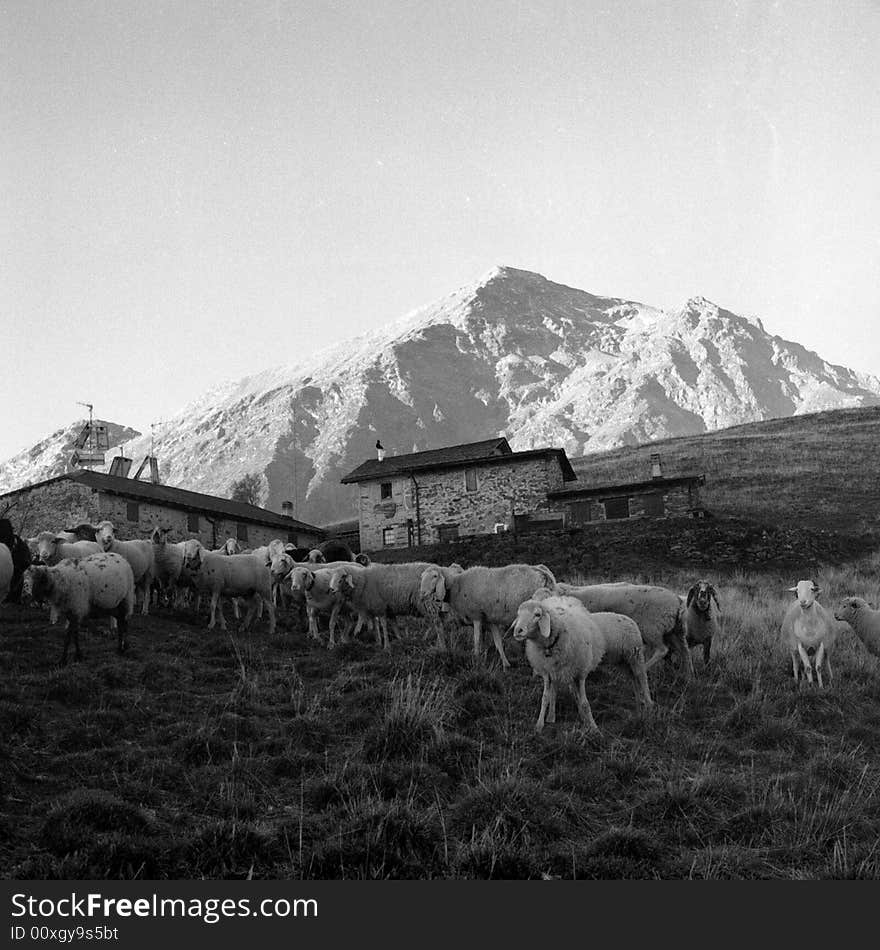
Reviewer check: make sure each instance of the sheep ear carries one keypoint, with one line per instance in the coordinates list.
(794, 589)
(691, 594)
(714, 595)
(817, 590)
(544, 624)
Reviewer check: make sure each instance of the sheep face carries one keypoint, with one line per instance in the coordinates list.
(341, 582)
(432, 586)
(363, 560)
(105, 535)
(47, 545)
(807, 592)
(848, 609)
(701, 596)
(192, 556)
(316, 557)
(532, 622)
(231, 546)
(302, 579)
(281, 566)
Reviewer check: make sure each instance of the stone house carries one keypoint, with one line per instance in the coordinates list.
(461, 490)
(137, 507)
(658, 497)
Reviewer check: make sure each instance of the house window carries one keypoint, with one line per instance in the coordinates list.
(654, 505)
(616, 508)
(384, 490)
(241, 532)
(192, 521)
(133, 511)
(447, 532)
(581, 512)
(470, 479)
(388, 537)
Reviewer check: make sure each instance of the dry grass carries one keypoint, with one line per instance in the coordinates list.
(209, 755)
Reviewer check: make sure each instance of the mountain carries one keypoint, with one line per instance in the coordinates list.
(513, 354)
(52, 456)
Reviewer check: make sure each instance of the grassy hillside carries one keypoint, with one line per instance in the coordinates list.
(822, 469)
(205, 754)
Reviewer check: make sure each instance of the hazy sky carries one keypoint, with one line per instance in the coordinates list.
(195, 190)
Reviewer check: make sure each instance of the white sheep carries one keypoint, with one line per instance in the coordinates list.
(96, 585)
(701, 616)
(138, 553)
(486, 595)
(564, 643)
(6, 571)
(312, 583)
(50, 548)
(380, 590)
(656, 610)
(229, 546)
(230, 575)
(808, 628)
(864, 620)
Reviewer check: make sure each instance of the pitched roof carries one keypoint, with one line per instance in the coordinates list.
(177, 498)
(572, 494)
(488, 452)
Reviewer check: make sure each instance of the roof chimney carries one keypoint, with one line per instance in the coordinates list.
(656, 469)
(380, 451)
(286, 509)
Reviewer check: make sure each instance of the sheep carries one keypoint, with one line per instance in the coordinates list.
(229, 546)
(313, 585)
(96, 585)
(376, 591)
(50, 548)
(138, 553)
(700, 619)
(362, 559)
(21, 559)
(316, 557)
(656, 610)
(230, 575)
(168, 562)
(335, 550)
(864, 621)
(486, 595)
(809, 628)
(564, 643)
(82, 532)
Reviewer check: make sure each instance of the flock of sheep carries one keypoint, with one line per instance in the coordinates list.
(567, 630)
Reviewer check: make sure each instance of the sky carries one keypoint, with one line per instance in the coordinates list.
(195, 191)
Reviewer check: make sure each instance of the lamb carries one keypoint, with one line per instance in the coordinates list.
(50, 548)
(808, 628)
(701, 617)
(864, 621)
(486, 595)
(565, 643)
(376, 591)
(656, 610)
(313, 585)
(230, 575)
(96, 585)
(138, 553)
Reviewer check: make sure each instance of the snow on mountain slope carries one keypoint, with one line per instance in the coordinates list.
(512, 354)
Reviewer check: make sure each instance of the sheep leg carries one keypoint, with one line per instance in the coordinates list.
(236, 608)
(795, 669)
(499, 646)
(478, 637)
(707, 648)
(584, 709)
(551, 713)
(383, 623)
(216, 608)
(146, 587)
(640, 682)
(828, 667)
(313, 623)
(270, 609)
(253, 602)
(805, 659)
(334, 613)
(684, 655)
(820, 656)
(122, 628)
(545, 702)
(659, 652)
(72, 636)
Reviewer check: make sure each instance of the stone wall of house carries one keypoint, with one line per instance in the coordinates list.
(678, 500)
(443, 502)
(64, 504)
